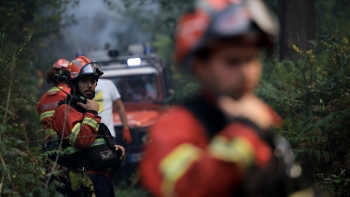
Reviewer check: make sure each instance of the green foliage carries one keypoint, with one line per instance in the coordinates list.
(313, 97)
(332, 16)
(130, 191)
(335, 181)
(23, 26)
(22, 173)
(21, 164)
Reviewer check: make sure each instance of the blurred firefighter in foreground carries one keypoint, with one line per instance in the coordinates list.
(46, 108)
(88, 145)
(218, 144)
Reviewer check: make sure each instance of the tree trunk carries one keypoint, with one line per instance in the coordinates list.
(297, 19)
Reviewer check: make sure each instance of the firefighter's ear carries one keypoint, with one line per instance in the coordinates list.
(62, 76)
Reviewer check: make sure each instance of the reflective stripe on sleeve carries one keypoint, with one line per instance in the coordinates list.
(74, 133)
(71, 149)
(91, 122)
(55, 89)
(46, 114)
(237, 150)
(175, 165)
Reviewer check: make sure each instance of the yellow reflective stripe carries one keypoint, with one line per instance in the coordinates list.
(237, 150)
(74, 133)
(175, 165)
(46, 114)
(55, 89)
(76, 129)
(91, 122)
(71, 149)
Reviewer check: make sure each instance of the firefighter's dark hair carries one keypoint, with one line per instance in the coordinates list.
(50, 77)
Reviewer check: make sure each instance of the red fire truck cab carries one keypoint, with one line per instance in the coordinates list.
(143, 86)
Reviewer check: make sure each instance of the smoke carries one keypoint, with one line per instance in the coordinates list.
(98, 25)
(94, 28)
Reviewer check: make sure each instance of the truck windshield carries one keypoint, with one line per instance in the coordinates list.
(136, 87)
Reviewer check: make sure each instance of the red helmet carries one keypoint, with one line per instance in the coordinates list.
(81, 66)
(212, 19)
(61, 64)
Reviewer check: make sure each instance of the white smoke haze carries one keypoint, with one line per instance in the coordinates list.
(97, 24)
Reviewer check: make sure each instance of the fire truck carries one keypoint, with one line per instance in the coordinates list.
(142, 83)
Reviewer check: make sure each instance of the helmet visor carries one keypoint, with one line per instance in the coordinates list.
(236, 19)
(91, 68)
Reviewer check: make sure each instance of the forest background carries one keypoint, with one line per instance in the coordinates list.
(306, 81)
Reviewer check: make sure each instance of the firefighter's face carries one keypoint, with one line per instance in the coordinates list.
(87, 86)
(232, 70)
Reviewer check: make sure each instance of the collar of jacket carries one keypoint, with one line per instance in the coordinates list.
(69, 100)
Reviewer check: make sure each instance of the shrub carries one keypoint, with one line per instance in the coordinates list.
(313, 96)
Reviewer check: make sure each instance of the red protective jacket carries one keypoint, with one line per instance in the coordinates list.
(48, 103)
(198, 155)
(79, 127)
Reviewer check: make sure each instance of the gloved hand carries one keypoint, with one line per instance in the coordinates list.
(90, 105)
(249, 107)
(122, 150)
(127, 136)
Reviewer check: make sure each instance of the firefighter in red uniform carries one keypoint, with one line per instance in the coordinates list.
(49, 101)
(46, 108)
(88, 144)
(217, 143)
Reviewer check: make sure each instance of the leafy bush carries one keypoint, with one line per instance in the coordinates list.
(313, 96)
(22, 166)
(22, 172)
(23, 27)
(122, 190)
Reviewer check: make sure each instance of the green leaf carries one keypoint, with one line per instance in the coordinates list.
(313, 42)
(19, 141)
